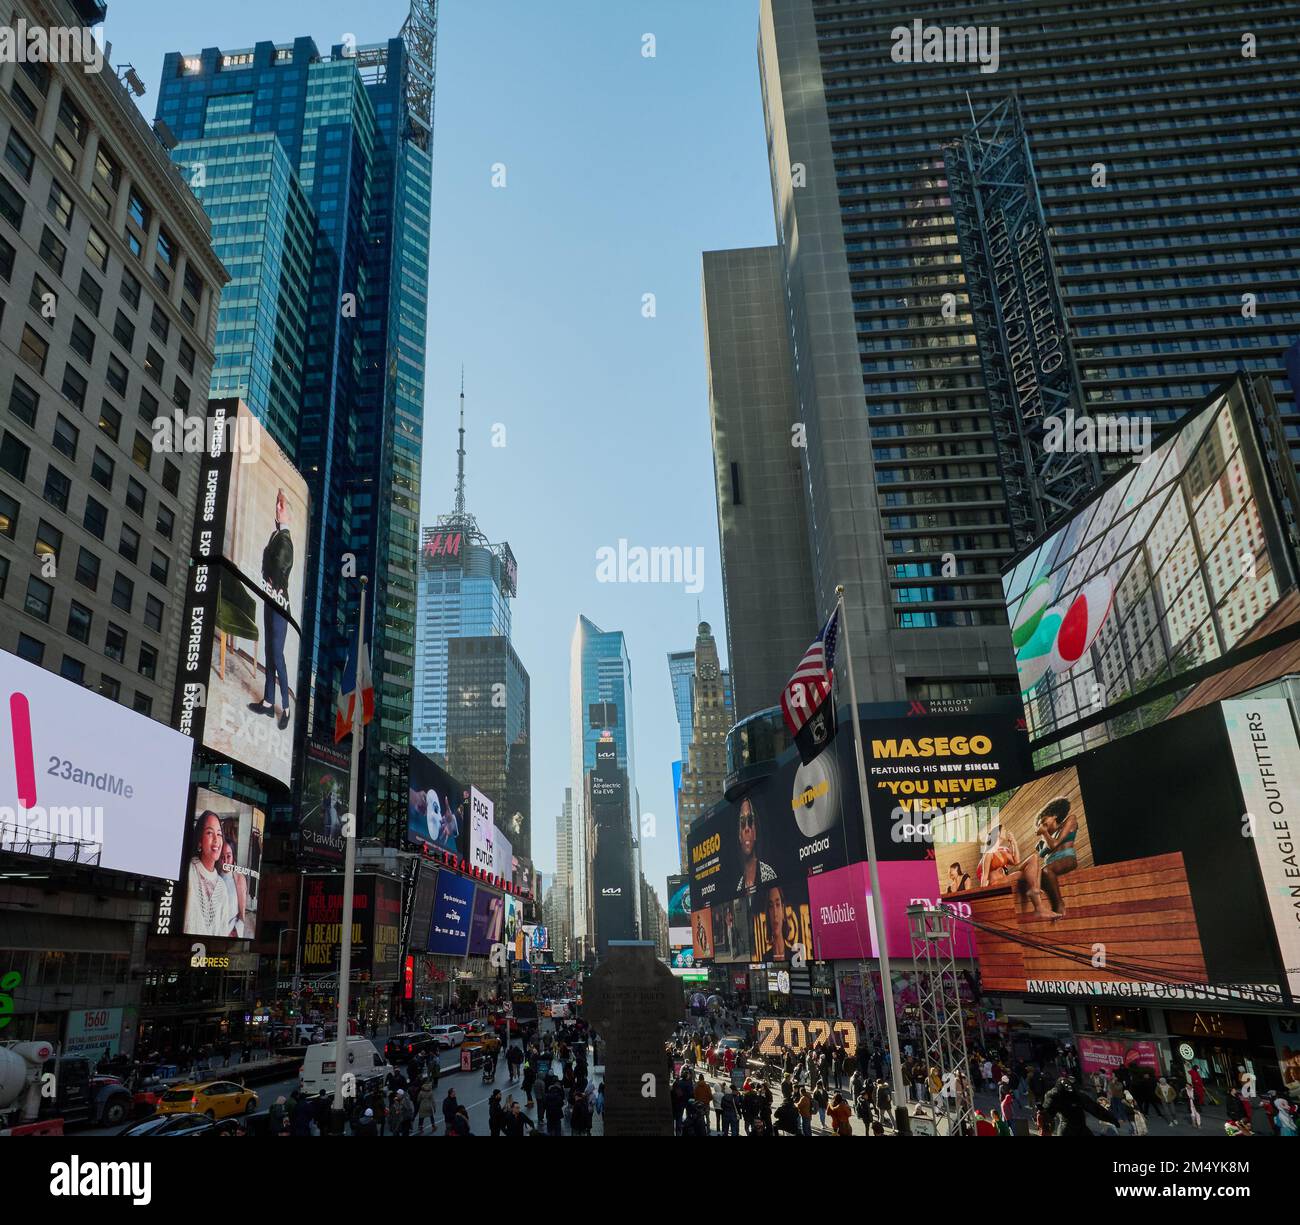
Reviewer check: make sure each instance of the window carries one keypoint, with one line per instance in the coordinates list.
(97, 252)
(11, 204)
(130, 289)
(8, 515)
(79, 619)
(38, 74)
(95, 520)
(65, 156)
(128, 544)
(43, 300)
(82, 340)
(110, 420)
(30, 649)
(123, 592)
(153, 613)
(71, 117)
(181, 394)
(123, 331)
(4, 574)
(49, 540)
(7, 255)
(134, 496)
(153, 364)
(13, 456)
(142, 704)
(138, 210)
(159, 324)
(166, 248)
(90, 292)
(110, 688)
(102, 469)
(166, 521)
(74, 386)
(159, 567)
(148, 665)
(106, 168)
(57, 488)
(133, 241)
(53, 252)
(148, 407)
(115, 375)
(193, 284)
(18, 153)
(60, 205)
(65, 437)
(115, 643)
(23, 101)
(33, 350)
(171, 478)
(40, 595)
(142, 451)
(102, 202)
(88, 569)
(186, 356)
(23, 401)
(73, 670)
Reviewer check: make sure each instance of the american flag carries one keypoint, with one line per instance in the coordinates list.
(810, 685)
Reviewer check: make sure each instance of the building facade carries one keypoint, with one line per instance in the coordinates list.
(705, 768)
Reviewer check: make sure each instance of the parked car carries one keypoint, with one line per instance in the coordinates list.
(364, 1062)
(214, 1099)
(447, 1036)
(401, 1047)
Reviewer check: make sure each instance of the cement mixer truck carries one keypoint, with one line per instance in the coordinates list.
(41, 1092)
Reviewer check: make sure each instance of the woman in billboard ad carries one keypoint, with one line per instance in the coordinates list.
(221, 878)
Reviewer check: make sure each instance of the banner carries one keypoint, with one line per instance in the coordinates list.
(438, 814)
(376, 926)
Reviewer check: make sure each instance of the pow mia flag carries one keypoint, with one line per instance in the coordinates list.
(805, 701)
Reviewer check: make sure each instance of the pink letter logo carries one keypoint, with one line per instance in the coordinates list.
(24, 759)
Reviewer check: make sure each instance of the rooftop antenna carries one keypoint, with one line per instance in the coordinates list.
(460, 454)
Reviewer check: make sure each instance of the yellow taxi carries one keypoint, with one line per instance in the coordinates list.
(216, 1099)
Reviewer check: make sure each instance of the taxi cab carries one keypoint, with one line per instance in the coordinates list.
(215, 1099)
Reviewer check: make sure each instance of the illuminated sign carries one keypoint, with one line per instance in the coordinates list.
(777, 1033)
(443, 544)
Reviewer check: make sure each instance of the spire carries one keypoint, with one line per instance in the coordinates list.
(460, 453)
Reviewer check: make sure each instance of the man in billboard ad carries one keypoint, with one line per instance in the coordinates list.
(324, 802)
(439, 807)
(780, 922)
(223, 867)
(81, 768)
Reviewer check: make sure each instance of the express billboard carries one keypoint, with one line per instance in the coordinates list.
(86, 768)
(438, 813)
(1177, 570)
(223, 867)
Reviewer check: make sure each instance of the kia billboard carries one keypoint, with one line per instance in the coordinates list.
(223, 867)
(1175, 571)
(438, 815)
(86, 769)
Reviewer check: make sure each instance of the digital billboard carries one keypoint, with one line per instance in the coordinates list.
(481, 842)
(488, 921)
(324, 802)
(223, 867)
(679, 910)
(514, 929)
(1173, 570)
(426, 893)
(376, 926)
(438, 815)
(452, 914)
(86, 768)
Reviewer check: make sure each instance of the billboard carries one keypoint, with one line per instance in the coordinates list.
(324, 802)
(1110, 1054)
(481, 827)
(93, 1032)
(376, 926)
(87, 768)
(426, 893)
(452, 914)
(679, 910)
(222, 867)
(488, 921)
(438, 815)
(514, 929)
(1174, 571)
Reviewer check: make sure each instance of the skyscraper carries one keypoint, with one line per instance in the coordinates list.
(297, 149)
(905, 497)
(600, 702)
(681, 675)
(705, 768)
(561, 915)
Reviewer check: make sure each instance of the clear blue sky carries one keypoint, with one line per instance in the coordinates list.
(620, 171)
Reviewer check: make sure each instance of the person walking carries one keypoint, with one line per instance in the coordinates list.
(841, 1113)
(1284, 1118)
(365, 1125)
(516, 1122)
(821, 1100)
(1165, 1099)
(1190, 1090)
(496, 1114)
(804, 1106)
(730, 1113)
(425, 1109)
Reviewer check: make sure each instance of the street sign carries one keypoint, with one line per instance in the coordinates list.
(466, 1059)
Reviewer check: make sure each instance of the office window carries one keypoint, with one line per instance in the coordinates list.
(142, 704)
(43, 300)
(128, 544)
(40, 595)
(74, 386)
(88, 569)
(110, 688)
(115, 643)
(65, 437)
(60, 205)
(90, 292)
(135, 496)
(148, 665)
(79, 621)
(130, 289)
(159, 324)
(153, 613)
(95, 520)
(72, 669)
(166, 521)
(58, 485)
(30, 649)
(73, 120)
(49, 540)
(14, 456)
(9, 511)
(133, 241)
(65, 156)
(171, 477)
(123, 592)
(123, 331)
(142, 451)
(101, 469)
(110, 420)
(23, 101)
(106, 167)
(23, 401)
(18, 153)
(138, 210)
(116, 375)
(186, 356)
(4, 575)
(33, 349)
(7, 256)
(181, 395)
(148, 407)
(53, 252)
(159, 567)
(153, 364)
(11, 204)
(82, 340)
(103, 203)
(38, 73)
(97, 251)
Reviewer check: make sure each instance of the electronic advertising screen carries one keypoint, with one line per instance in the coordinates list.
(222, 867)
(438, 815)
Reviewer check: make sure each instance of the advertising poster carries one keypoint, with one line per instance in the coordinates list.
(222, 867)
(324, 802)
(439, 808)
(376, 927)
(780, 921)
(732, 938)
(86, 768)
(482, 844)
(702, 934)
(541, 941)
(503, 855)
(679, 910)
(682, 957)
(488, 924)
(93, 1032)
(1175, 564)
(1110, 1054)
(426, 893)
(452, 915)
(514, 929)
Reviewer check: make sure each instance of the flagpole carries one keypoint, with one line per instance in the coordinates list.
(349, 874)
(877, 910)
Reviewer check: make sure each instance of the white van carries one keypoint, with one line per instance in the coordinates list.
(364, 1061)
